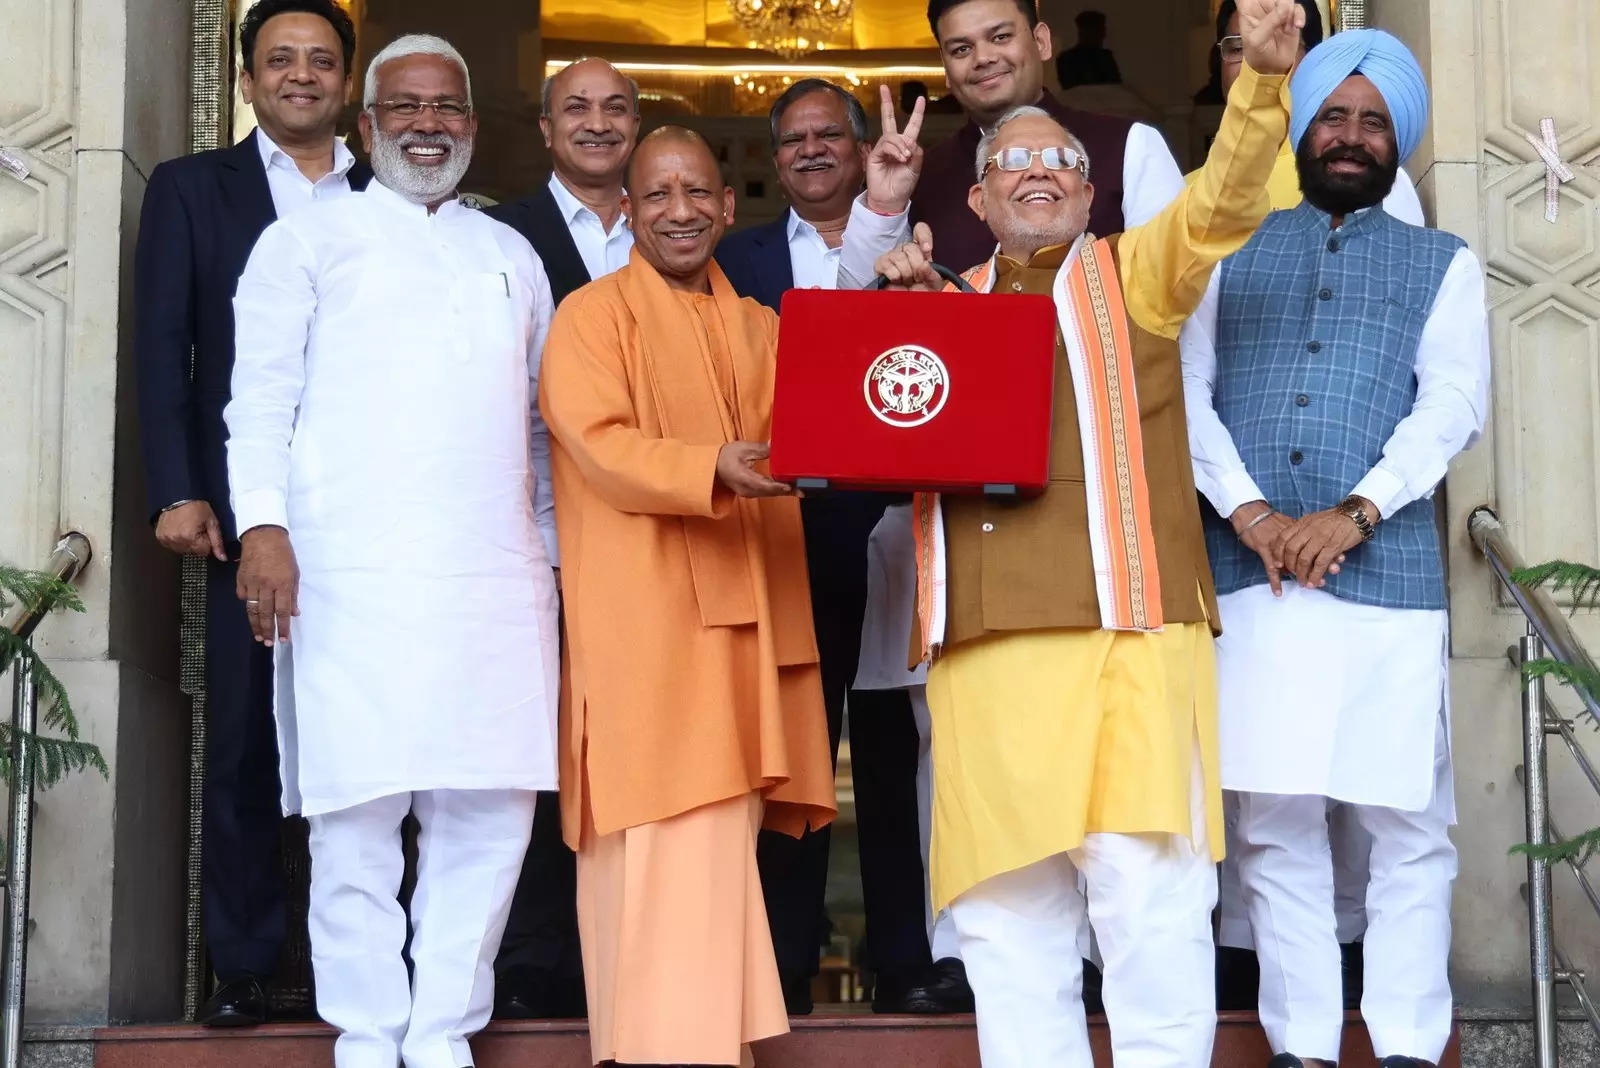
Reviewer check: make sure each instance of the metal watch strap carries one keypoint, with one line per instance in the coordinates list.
(1351, 507)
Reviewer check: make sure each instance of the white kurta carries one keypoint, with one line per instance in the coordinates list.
(384, 413)
(1320, 695)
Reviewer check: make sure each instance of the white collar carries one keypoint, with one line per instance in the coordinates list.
(571, 207)
(384, 195)
(796, 225)
(343, 160)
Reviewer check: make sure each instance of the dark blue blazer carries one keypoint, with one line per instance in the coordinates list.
(202, 215)
(756, 261)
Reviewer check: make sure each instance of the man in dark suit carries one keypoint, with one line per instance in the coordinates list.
(590, 118)
(820, 149)
(994, 53)
(202, 215)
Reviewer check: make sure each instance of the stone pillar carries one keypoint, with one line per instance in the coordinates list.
(95, 94)
(1496, 67)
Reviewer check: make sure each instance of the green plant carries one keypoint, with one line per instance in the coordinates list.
(1584, 582)
(53, 757)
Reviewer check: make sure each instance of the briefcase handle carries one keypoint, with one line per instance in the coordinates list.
(944, 272)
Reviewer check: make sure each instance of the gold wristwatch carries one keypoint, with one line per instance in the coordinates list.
(1352, 507)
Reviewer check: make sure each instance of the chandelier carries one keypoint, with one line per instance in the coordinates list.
(791, 28)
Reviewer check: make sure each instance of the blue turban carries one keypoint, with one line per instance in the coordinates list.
(1384, 60)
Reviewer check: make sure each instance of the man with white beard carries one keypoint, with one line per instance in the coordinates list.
(390, 474)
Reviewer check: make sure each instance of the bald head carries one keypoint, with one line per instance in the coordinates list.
(678, 138)
(590, 119)
(678, 205)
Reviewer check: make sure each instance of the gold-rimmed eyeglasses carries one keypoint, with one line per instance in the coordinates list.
(1232, 48)
(447, 110)
(1054, 159)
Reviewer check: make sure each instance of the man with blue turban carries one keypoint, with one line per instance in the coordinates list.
(1337, 363)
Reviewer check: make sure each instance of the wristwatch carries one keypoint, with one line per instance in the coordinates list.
(1352, 508)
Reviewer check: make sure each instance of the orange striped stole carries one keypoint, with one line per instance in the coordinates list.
(1094, 328)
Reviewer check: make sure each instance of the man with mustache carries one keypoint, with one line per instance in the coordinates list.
(821, 153)
(1343, 361)
(1071, 686)
(994, 54)
(589, 115)
(390, 476)
(202, 214)
(694, 713)
(1236, 962)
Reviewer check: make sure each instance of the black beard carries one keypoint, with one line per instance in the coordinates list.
(1339, 194)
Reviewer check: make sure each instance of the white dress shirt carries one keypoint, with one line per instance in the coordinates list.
(1150, 176)
(290, 188)
(602, 252)
(815, 265)
(384, 412)
(1452, 369)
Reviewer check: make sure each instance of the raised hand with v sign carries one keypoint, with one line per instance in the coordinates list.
(895, 163)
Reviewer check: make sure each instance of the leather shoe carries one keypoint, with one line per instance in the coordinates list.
(796, 994)
(939, 989)
(1404, 1062)
(529, 994)
(237, 1003)
(1289, 1060)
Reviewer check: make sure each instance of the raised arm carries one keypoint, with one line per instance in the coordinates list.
(1165, 263)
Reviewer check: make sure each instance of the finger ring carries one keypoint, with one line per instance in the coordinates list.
(247, 603)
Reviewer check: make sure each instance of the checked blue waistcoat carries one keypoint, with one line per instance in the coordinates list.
(1316, 339)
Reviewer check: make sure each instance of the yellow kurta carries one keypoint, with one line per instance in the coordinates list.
(1283, 188)
(1043, 736)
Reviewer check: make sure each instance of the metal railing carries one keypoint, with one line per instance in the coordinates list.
(1549, 635)
(68, 560)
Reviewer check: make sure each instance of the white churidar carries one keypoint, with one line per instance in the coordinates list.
(1286, 875)
(601, 251)
(1149, 899)
(1350, 844)
(384, 413)
(469, 854)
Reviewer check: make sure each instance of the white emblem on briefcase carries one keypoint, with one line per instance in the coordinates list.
(906, 386)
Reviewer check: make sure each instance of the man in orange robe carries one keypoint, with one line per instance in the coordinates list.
(692, 714)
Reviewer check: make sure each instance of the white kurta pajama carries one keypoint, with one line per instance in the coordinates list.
(384, 413)
(1368, 725)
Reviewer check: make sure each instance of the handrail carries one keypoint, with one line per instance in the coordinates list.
(67, 561)
(1549, 634)
(1545, 617)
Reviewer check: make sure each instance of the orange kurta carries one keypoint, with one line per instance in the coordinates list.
(692, 661)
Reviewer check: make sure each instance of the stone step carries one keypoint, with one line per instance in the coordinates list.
(835, 1040)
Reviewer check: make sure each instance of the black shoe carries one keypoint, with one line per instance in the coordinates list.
(1286, 1060)
(237, 1003)
(1093, 1003)
(1352, 967)
(1404, 1062)
(1238, 979)
(796, 994)
(938, 989)
(539, 994)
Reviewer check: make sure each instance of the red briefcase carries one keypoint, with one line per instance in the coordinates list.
(895, 390)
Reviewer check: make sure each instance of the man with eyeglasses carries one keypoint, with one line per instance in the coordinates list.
(1072, 681)
(390, 475)
(202, 214)
(589, 115)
